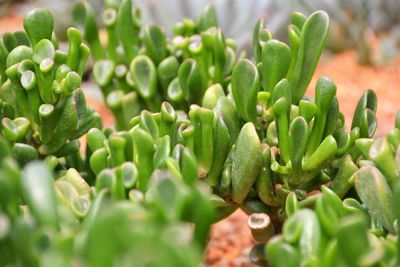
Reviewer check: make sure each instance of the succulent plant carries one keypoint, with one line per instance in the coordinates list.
(43, 109)
(284, 142)
(232, 135)
(275, 13)
(360, 230)
(336, 233)
(57, 218)
(256, 142)
(136, 72)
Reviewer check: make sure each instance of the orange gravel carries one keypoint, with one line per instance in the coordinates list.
(230, 242)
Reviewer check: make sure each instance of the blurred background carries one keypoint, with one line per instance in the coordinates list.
(362, 53)
(371, 27)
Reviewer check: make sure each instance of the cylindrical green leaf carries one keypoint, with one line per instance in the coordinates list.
(246, 162)
(245, 85)
(39, 194)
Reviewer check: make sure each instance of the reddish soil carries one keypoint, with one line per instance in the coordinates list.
(230, 242)
(11, 22)
(106, 115)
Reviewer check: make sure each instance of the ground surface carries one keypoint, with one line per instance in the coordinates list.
(231, 240)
